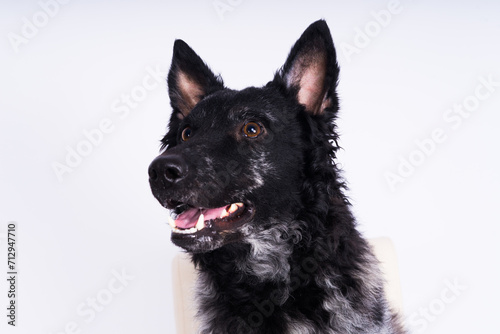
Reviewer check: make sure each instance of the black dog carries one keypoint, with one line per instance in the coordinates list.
(256, 198)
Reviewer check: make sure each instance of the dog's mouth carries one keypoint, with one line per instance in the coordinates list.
(187, 220)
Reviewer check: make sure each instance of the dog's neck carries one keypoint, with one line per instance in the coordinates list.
(264, 256)
(269, 275)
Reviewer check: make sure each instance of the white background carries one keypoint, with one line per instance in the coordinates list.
(71, 73)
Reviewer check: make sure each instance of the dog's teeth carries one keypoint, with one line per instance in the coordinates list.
(224, 214)
(233, 208)
(171, 222)
(201, 223)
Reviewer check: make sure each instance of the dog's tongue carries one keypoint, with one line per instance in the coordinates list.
(189, 218)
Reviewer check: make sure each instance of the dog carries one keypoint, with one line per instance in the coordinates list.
(257, 200)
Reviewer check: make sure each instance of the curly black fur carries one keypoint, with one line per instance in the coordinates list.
(296, 263)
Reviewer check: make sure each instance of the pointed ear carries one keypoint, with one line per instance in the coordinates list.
(311, 69)
(189, 80)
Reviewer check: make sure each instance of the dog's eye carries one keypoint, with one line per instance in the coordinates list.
(252, 130)
(186, 133)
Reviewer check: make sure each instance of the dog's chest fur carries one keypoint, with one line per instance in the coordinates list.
(263, 294)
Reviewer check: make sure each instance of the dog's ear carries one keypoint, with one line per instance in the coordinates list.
(189, 80)
(311, 70)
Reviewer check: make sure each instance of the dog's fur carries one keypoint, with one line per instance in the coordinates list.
(292, 261)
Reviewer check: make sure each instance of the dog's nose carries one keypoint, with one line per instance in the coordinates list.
(171, 168)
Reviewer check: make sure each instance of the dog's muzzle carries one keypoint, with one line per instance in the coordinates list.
(196, 226)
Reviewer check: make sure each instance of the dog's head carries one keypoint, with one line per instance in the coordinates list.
(236, 159)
